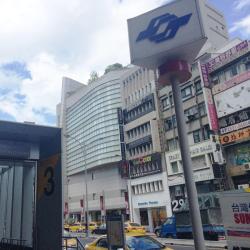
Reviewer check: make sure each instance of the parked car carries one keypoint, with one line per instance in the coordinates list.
(102, 229)
(76, 227)
(135, 242)
(134, 227)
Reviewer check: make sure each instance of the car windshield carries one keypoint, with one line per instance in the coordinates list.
(143, 242)
(134, 225)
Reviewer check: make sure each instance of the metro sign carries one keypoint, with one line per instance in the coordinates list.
(175, 30)
(172, 24)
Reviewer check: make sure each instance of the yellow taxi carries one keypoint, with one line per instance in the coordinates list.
(76, 227)
(66, 226)
(135, 242)
(92, 226)
(134, 227)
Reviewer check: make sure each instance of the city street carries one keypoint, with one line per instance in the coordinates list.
(176, 244)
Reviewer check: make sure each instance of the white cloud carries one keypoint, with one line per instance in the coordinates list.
(240, 4)
(243, 26)
(60, 38)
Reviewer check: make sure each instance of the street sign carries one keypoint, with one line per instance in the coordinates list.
(177, 30)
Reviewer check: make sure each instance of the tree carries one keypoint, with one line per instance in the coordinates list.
(112, 67)
(93, 77)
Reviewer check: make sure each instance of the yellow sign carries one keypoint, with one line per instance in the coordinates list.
(235, 136)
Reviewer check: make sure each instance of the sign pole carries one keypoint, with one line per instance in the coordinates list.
(177, 72)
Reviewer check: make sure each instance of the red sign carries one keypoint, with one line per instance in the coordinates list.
(66, 208)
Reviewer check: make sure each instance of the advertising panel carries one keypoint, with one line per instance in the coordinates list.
(167, 32)
(230, 100)
(236, 121)
(228, 56)
(236, 218)
(235, 136)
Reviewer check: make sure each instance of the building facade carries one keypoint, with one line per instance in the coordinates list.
(228, 75)
(207, 160)
(88, 115)
(149, 202)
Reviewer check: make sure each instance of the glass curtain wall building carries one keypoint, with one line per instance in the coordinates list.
(88, 115)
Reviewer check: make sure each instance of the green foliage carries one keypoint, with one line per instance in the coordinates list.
(112, 67)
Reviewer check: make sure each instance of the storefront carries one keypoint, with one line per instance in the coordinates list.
(238, 164)
(150, 200)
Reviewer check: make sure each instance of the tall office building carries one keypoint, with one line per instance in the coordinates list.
(88, 115)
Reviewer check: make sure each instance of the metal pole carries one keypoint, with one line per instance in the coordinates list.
(187, 167)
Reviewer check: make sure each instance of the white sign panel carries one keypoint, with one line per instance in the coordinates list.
(233, 99)
(199, 175)
(236, 219)
(174, 30)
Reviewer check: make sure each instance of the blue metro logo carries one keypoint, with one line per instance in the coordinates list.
(172, 23)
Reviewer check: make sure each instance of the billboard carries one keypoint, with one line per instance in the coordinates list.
(236, 218)
(230, 100)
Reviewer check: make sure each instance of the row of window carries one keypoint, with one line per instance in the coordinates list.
(186, 93)
(149, 187)
(138, 94)
(143, 149)
(135, 76)
(198, 136)
(138, 131)
(232, 70)
(198, 162)
(141, 170)
(140, 111)
(192, 113)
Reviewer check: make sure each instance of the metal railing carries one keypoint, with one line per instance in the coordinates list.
(70, 243)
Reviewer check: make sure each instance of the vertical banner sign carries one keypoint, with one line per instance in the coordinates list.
(102, 205)
(211, 109)
(126, 202)
(236, 219)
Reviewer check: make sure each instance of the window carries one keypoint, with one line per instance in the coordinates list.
(233, 70)
(94, 196)
(170, 123)
(202, 109)
(192, 113)
(165, 102)
(197, 86)
(186, 92)
(196, 136)
(206, 132)
(172, 144)
(174, 167)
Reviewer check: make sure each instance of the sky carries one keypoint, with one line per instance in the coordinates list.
(44, 40)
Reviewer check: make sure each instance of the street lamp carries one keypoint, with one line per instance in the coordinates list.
(83, 147)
